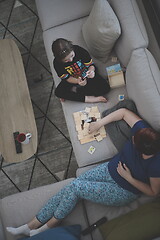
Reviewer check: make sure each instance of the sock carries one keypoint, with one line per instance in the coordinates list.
(24, 229)
(38, 230)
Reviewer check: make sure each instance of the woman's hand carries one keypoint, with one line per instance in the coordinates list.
(152, 189)
(90, 73)
(124, 171)
(82, 82)
(93, 126)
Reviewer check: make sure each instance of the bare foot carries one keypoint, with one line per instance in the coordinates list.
(92, 99)
(93, 126)
(62, 99)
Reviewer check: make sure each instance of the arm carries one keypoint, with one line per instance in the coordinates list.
(91, 68)
(152, 189)
(91, 71)
(120, 114)
(77, 81)
(73, 80)
(88, 61)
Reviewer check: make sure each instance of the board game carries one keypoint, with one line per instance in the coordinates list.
(83, 119)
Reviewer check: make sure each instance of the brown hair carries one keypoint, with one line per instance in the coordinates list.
(147, 141)
(61, 48)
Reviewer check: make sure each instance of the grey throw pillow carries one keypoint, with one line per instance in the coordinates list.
(101, 30)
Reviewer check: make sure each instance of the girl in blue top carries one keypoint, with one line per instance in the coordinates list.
(134, 170)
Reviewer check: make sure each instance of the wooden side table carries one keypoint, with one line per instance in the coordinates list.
(16, 112)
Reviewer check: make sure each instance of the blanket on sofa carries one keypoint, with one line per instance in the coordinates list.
(119, 131)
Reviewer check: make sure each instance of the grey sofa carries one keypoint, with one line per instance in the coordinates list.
(142, 85)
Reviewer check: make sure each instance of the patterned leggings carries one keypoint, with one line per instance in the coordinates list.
(95, 185)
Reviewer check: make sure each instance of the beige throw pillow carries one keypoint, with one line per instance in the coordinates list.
(101, 30)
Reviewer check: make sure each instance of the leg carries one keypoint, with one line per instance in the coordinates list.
(62, 203)
(96, 86)
(26, 228)
(95, 89)
(33, 227)
(59, 206)
(96, 174)
(64, 91)
(99, 192)
(50, 224)
(107, 193)
(45, 220)
(98, 186)
(100, 85)
(34, 223)
(93, 99)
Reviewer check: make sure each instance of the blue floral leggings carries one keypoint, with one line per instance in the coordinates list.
(95, 185)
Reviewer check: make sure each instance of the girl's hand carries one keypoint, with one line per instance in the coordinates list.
(82, 82)
(90, 73)
(124, 171)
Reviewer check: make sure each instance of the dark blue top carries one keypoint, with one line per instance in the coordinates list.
(141, 169)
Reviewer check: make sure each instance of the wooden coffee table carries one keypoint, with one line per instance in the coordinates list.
(16, 112)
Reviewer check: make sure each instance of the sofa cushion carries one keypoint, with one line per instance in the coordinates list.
(101, 30)
(143, 85)
(55, 12)
(72, 232)
(140, 224)
(134, 34)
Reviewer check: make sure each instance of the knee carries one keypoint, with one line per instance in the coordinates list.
(57, 93)
(108, 88)
(75, 186)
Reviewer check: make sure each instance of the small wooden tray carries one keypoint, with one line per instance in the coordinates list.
(116, 80)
